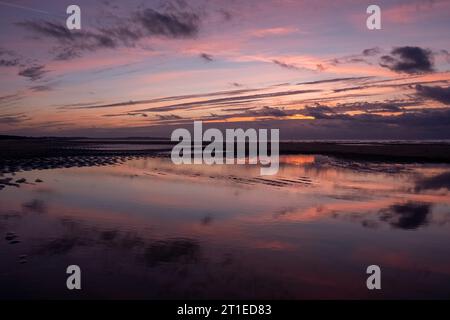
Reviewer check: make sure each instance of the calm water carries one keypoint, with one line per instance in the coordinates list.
(148, 229)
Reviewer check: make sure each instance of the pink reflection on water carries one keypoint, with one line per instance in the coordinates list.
(307, 232)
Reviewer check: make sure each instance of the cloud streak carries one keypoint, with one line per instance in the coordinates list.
(285, 65)
(206, 57)
(125, 31)
(12, 119)
(8, 58)
(33, 73)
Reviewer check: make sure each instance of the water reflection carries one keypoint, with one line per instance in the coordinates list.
(411, 215)
(440, 181)
(144, 228)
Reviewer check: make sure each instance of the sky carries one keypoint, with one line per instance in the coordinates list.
(311, 69)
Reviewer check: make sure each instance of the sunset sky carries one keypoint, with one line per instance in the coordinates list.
(143, 68)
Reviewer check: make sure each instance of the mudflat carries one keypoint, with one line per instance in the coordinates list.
(26, 148)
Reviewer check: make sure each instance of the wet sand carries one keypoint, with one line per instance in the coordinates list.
(142, 229)
(27, 148)
(25, 154)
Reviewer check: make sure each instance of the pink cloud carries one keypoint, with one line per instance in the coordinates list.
(279, 31)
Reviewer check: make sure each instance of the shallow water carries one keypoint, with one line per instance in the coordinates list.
(146, 228)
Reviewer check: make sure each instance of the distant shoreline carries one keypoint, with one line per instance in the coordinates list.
(414, 151)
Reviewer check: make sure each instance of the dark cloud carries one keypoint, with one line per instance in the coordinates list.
(267, 111)
(41, 88)
(369, 114)
(206, 57)
(34, 72)
(9, 63)
(409, 60)
(10, 98)
(371, 52)
(226, 15)
(378, 114)
(168, 117)
(172, 24)
(355, 58)
(286, 65)
(263, 112)
(435, 93)
(385, 84)
(377, 106)
(349, 89)
(8, 58)
(335, 80)
(57, 31)
(122, 31)
(66, 54)
(10, 119)
(418, 118)
(80, 104)
(422, 118)
(132, 114)
(72, 42)
(320, 67)
(318, 111)
(408, 216)
(367, 110)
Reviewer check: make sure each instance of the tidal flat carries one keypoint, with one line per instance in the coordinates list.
(141, 227)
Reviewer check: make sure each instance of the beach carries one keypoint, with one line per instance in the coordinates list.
(140, 227)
